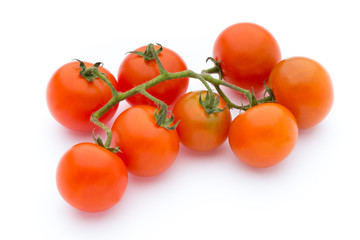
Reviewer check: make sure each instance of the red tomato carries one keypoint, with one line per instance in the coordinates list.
(134, 70)
(198, 130)
(91, 178)
(247, 53)
(305, 88)
(263, 135)
(146, 148)
(71, 99)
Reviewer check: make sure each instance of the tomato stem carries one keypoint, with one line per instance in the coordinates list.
(229, 103)
(154, 99)
(215, 69)
(161, 114)
(106, 129)
(218, 82)
(103, 77)
(266, 99)
(210, 70)
(151, 48)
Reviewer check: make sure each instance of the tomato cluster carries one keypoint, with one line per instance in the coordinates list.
(93, 176)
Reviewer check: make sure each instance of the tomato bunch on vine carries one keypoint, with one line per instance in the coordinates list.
(296, 93)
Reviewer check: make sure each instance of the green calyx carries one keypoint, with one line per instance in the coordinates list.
(89, 73)
(211, 103)
(216, 69)
(269, 92)
(149, 54)
(163, 120)
(98, 141)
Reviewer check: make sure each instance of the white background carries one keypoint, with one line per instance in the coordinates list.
(313, 194)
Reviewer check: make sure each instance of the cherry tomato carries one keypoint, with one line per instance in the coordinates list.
(146, 148)
(247, 53)
(71, 99)
(134, 70)
(91, 178)
(264, 135)
(198, 130)
(305, 88)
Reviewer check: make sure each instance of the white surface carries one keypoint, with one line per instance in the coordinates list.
(314, 194)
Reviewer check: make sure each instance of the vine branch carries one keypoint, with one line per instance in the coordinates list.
(161, 115)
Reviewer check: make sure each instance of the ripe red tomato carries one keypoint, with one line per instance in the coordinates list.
(263, 135)
(247, 53)
(305, 88)
(146, 148)
(134, 70)
(91, 178)
(198, 130)
(71, 99)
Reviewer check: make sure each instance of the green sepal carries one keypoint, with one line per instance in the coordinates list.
(99, 141)
(269, 91)
(211, 103)
(163, 121)
(254, 100)
(216, 68)
(88, 73)
(148, 54)
(114, 150)
(219, 110)
(98, 64)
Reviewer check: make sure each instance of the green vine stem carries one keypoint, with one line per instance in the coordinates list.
(204, 77)
(161, 114)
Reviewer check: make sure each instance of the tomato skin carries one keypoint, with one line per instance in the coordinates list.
(305, 88)
(198, 130)
(134, 70)
(146, 148)
(247, 53)
(71, 99)
(263, 135)
(91, 178)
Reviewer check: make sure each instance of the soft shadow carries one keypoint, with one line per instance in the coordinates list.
(276, 169)
(136, 180)
(87, 135)
(309, 132)
(93, 216)
(80, 136)
(76, 134)
(188, 153)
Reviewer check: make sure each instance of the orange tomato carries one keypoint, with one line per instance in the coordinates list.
(146, 148)
(305, 88)
(198, 130)
(264, 135)
(91, 178)
(71, 99)
(134, 70)
(247, 53)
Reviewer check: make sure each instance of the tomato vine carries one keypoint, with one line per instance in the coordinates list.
(210, 104)
(143, 137)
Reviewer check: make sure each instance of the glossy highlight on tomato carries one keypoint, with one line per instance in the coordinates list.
(198, 130)
(264, 135)
(134, 70)
(91, 178)
(247, 53)
(72, 99)
(305, 88)
(146, 148)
